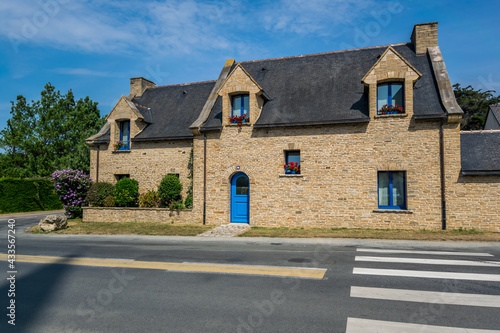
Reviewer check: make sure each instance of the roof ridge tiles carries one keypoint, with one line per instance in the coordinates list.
(182, 84)
(141, 106)
(323, 53)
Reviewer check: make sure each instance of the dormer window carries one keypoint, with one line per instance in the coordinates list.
(390, 98)
(124, 134)
(240, 106)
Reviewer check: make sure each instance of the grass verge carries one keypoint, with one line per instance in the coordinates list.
(77, 227)
(431, 235)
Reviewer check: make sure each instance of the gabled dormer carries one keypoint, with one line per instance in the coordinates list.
(390, 84)
(125, 122)
(242, 98)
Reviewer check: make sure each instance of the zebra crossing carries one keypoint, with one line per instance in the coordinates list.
(422, 263)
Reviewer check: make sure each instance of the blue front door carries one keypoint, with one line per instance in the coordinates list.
(240, 189)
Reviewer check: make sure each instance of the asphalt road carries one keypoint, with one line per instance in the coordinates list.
(360, 291)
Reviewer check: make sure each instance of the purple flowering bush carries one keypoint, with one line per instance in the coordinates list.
(71, 186)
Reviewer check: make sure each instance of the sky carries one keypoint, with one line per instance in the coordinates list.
(93, 47)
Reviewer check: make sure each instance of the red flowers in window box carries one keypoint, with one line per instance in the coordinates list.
(292, 167)
(389, 109)
(239, 119)
(119, 145)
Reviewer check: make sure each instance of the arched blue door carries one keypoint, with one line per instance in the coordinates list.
(240, 190)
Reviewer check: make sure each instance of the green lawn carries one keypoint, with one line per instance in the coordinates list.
(466, 235)
(77, 227)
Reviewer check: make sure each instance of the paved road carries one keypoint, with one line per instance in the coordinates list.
(366, 286)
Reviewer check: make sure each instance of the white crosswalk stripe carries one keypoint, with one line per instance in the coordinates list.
(429, 261)
(426, 296)
(437, 253)
(427, 274)
(358, 325)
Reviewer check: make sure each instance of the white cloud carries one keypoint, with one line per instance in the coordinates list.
(86, 72)
(314, 16)
(168, 27)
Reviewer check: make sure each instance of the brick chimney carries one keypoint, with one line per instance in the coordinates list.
(423, 36)
(139, 84)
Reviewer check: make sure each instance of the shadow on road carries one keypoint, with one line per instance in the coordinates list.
(33, 293)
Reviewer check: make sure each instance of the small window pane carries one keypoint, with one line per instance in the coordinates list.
(237, 106)
(383, 189)
(293, 156)
(242, 186)
(124, 130)
(382, 95)
(398, 189)
(246, 104)
(397, 94)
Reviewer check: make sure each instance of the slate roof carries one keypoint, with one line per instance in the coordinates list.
(326, 88)
(480, 152)
(104, 138)
(495, 109)
(170, 110)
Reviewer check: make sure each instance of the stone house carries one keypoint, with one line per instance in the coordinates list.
(365, 138)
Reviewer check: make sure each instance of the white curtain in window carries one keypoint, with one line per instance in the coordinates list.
(383, 189)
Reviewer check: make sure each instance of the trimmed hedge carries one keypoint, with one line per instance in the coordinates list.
(27, 195)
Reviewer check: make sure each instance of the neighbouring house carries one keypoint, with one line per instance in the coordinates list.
(365, 138)
(493, 118)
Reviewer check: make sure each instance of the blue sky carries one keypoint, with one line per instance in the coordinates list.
(94, 47)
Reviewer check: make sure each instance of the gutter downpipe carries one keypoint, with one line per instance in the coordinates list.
(98, 146)
(204, 178)
(443, 180)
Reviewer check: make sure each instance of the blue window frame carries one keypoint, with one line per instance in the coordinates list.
(392, 190)
(390, 94)
(240, 105)
(125, 134)
(292, 162)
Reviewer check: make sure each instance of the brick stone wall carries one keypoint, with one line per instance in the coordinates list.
(146, 162)
(159, 215)
(338, 184)
(472, 201)
(423, 36)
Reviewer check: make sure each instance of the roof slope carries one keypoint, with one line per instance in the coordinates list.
(480, 152)
(326, 88)
(170, 110)
(495, 109)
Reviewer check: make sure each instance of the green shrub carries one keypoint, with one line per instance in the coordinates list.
(126, 192)
(97, 193)
(176, 205)
(109, 201)
(27, 195)
(170, 189)
(189, 201)
(149, 199)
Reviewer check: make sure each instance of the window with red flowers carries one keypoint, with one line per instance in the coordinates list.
(292, 162)
(390, 98)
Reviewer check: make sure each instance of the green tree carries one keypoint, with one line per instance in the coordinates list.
(475, 105)
(48, 134)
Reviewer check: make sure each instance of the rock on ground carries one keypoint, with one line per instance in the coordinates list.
(53, 222)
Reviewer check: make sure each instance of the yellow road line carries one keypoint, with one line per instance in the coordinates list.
(308, 273)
